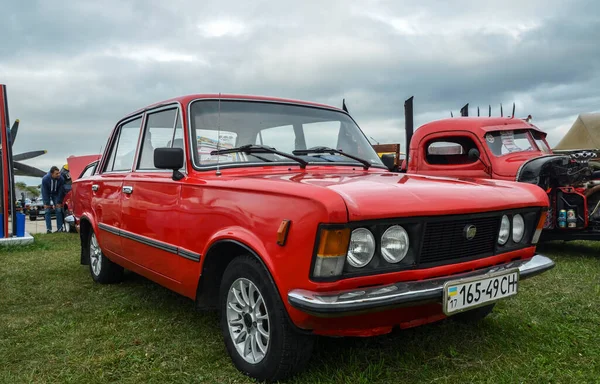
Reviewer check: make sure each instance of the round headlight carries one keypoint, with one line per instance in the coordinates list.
(504, 230)
(362, 247)
(518, 228)
(394, 244)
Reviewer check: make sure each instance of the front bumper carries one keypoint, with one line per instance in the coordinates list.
(411, 293)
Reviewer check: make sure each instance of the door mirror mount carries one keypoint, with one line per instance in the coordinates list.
(474, 154)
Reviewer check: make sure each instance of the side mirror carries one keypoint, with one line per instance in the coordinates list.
(389, 161)
(474, 154)
(169, 158)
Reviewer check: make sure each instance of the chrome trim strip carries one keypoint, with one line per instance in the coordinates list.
(411, 293)
(151, 242)
(189, 255)
(109, 229)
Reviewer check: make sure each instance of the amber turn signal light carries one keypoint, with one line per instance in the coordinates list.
(539, 227)
(282, 232)
(333, 242)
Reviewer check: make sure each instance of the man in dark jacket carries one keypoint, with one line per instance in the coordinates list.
(53, 192)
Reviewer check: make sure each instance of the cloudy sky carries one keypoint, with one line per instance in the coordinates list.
(73, 68)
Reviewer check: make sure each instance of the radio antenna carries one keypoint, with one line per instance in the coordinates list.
(219, 134)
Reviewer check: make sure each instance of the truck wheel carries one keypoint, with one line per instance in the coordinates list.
(102, 269)
(258, 335)
(474, 315)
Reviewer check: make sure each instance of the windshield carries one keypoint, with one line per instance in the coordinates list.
(504, 142)
(284, 127)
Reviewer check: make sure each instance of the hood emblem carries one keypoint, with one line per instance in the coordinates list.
(470, 231)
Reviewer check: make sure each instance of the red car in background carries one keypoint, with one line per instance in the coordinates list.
(78, 167)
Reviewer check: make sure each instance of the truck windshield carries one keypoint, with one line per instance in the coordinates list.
(285, 127)
(504, 142)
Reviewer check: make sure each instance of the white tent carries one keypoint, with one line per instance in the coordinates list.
(584, 133)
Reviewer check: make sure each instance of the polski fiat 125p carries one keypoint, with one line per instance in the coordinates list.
(280, 214)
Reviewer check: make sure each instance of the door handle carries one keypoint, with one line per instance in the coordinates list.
(127, 189)
(94, 187)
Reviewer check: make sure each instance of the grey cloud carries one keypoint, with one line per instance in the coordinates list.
(74, 68)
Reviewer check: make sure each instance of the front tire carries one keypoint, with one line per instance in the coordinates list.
(102, 269)
(258, 334)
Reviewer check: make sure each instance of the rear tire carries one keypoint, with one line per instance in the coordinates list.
(102, 269)
(268, 348)
(474, 315)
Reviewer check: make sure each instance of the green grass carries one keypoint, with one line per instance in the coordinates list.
(56, 325)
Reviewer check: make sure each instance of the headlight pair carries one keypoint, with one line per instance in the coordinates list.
(518, 229)
(394, 246)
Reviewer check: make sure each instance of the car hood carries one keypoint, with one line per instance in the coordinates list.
(508, 165)
(373, 195)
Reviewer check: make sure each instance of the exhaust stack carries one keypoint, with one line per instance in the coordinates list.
(408, 125)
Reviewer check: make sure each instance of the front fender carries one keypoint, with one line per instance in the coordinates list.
(245, 238)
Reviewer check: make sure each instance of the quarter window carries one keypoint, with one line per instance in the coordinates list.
(123, 150)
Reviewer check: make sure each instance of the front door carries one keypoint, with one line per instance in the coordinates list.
(106, 187)
(150, 202)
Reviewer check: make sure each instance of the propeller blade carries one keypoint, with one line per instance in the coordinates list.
(501, 112)
(344, 106)
(29, 155)
(464, 111)
(13, 131)
(513, 114)
(490, 111)
(451, 114)
(478, 111)
(28, 170)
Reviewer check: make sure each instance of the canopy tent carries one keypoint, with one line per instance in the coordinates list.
(584, 133)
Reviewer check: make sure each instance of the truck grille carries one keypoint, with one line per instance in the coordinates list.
(445, 241)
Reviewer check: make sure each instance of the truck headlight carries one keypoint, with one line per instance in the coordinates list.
(362, 248)
(394, 244)
(504, 233)
(518, 228)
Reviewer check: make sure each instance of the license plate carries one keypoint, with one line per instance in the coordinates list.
(468, 293)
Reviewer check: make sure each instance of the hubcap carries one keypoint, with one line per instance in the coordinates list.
(95, 255)
(248, 320)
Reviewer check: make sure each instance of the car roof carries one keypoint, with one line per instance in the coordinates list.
(477, 125)
(186, 99)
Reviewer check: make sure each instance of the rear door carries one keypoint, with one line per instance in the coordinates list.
(106, 186)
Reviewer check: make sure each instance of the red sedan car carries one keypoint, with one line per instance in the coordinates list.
(280, 214)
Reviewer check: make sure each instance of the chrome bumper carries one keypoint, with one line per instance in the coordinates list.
(411, 293)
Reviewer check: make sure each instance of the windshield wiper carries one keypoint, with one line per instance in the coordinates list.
(252, 149)
(303, 152)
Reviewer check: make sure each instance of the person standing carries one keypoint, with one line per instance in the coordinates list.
(53, 192)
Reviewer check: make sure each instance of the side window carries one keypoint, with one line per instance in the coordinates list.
(281, 138)
(449, 151)
(323, 133)
(89, 171)
(123, 150)
(159, 133)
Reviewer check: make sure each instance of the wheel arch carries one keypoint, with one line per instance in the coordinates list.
(218, 256)
(86, 224)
